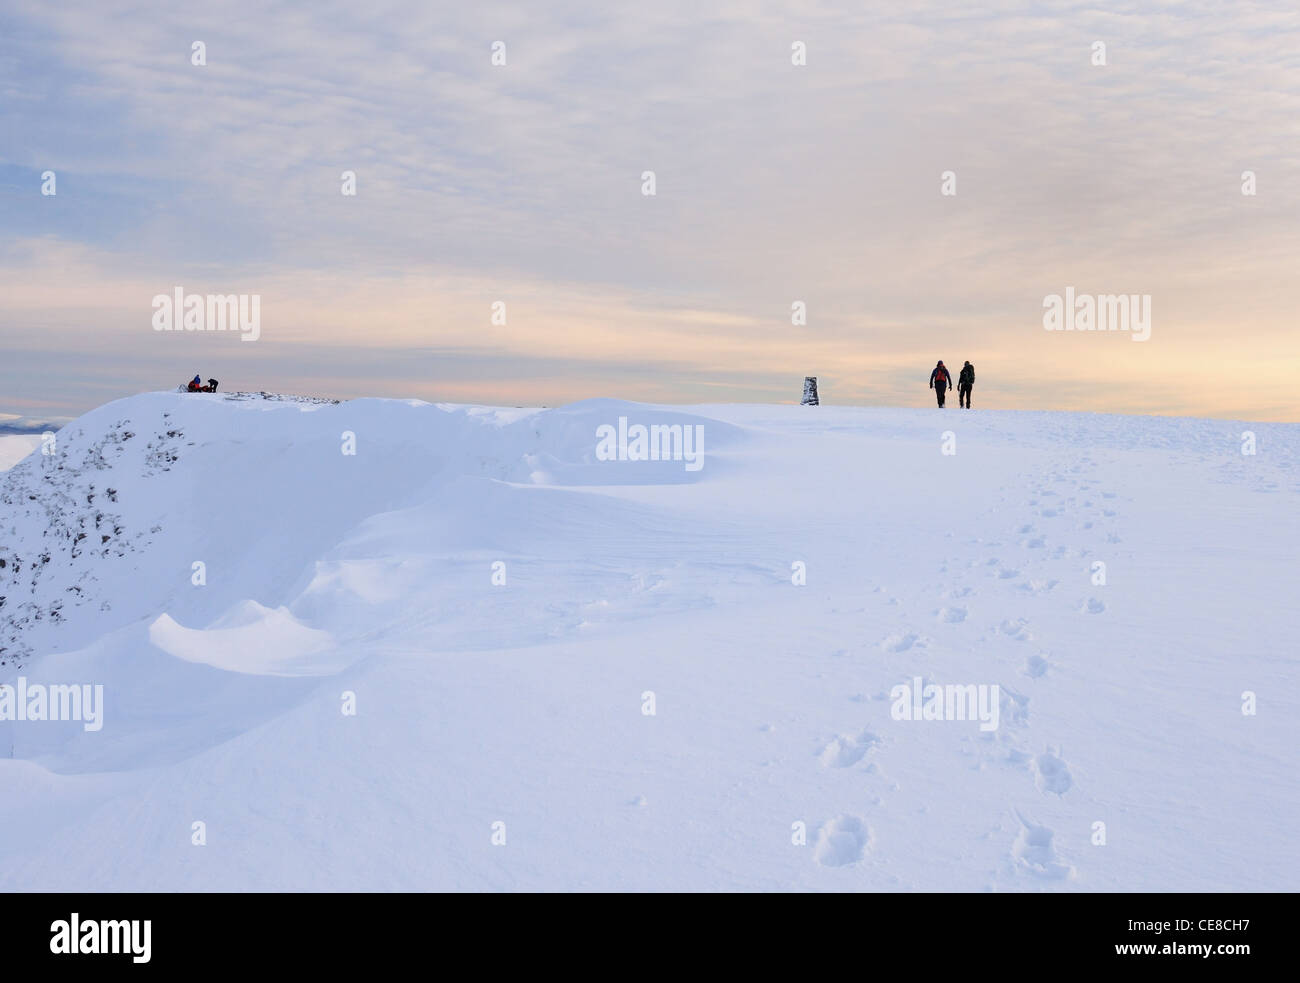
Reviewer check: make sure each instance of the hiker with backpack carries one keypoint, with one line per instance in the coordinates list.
(940, 381)
(965, 383)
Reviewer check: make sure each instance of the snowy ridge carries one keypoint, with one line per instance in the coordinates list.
(237, 396)
(499, 601)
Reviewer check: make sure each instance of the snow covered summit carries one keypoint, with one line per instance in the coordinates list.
(388, 644)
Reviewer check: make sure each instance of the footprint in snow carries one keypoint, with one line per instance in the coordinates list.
(842, 841)
(1017, 629)
(902, 642)
(1051, 774)
(1038, 586)
(846, 750)
(1013, 707)
(1033, 851)
(1093, 606)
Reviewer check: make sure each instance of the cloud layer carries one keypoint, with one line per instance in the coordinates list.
(775, 183)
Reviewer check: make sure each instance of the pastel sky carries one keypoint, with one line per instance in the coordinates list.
(775, 183)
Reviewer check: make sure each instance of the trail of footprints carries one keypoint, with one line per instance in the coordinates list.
(846, 839)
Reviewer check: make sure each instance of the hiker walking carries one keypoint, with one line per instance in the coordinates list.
(965, 383)
(940, 381)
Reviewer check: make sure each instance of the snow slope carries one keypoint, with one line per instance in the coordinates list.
(329, 578)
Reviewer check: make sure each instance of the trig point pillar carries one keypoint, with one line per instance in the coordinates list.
(810, 391)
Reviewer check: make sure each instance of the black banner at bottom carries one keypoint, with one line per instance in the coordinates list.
(611, 933)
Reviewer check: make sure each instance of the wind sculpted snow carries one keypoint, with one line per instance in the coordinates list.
(387, 644)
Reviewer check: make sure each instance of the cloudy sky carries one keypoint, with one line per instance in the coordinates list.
(775, 183)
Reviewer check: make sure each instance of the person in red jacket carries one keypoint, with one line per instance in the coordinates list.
(940, 381)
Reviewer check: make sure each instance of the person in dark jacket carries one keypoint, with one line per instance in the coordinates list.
(940, 381)
(965, 383)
